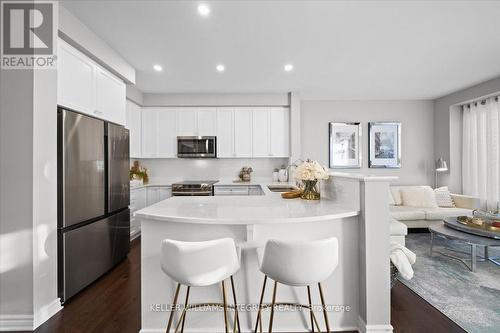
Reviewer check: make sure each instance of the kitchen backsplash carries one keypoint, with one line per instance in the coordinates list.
(175, 169)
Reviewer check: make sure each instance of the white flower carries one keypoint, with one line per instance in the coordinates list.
(311, 170)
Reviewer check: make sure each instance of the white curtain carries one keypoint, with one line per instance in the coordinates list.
(481, 152)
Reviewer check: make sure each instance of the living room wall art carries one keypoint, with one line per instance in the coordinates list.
(384, 145)
(345, 145)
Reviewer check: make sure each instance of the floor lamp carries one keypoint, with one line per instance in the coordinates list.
(441, 166)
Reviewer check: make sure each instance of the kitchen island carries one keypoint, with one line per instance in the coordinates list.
(353, 299)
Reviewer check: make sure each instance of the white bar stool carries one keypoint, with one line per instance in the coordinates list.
(200, 264)
(297, 264)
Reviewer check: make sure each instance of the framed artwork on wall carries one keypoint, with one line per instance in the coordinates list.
(384, 145)
(345, 145)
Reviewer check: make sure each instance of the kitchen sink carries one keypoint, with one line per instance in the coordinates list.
(281, 188)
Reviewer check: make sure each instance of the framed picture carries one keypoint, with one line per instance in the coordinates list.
(345, 145)
(384, 145)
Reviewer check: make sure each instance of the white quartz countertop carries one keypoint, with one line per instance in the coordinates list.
(267, 208)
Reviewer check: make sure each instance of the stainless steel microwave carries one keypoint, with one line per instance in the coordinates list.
(197, 146)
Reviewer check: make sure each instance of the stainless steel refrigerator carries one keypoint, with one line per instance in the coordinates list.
(93, 199)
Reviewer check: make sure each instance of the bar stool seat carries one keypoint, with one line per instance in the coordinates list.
(297, 264)
(200, 264)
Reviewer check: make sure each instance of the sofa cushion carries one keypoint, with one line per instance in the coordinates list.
(391, 198)
(402, 213)
(442, 212)
(396, 195)
(397, 228)
(443, 197)
(418, 196)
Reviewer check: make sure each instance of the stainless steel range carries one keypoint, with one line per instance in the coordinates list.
(194, 188)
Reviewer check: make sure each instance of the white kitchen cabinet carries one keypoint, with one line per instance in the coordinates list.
(166, 129)
(196, 122)
(207, 122)
(86, 87)
(75, 79)
(225, 133)
(152, 195)
(137, 202)
(110, 97)
(164, 193)
(149, 132)
(134, 124)
(279, 132)
(242, 132)
(187, 122)
(261, 133)
(157, 193)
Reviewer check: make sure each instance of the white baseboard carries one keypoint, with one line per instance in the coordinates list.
(29, 322)
(135, 235)
(16, 323)
(46, 312)
(363, 328)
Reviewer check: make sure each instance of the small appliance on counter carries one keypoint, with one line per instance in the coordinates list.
(194, 188)
(245, 174)
(283, 174)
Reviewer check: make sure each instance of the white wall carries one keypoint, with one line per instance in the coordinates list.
(447, 130)
(417, 118)
(166, 171)
(80, 36)
(229, 99)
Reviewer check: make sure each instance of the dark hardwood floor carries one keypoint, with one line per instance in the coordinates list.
(112, 304)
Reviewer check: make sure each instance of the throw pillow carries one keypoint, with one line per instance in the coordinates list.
(391, 199)
(396, 195)
(443, 197)
(418, 196)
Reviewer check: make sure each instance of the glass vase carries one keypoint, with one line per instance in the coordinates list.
(311, 190)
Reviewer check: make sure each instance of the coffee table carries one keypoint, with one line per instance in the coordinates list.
(473, 241)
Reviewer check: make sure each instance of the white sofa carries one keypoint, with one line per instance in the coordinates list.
(423, 217)
(398, 231)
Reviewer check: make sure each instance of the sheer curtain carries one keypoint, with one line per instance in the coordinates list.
(481, 152)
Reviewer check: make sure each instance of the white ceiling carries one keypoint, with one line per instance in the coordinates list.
(339, 49)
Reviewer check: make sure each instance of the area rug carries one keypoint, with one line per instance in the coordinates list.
(472, 300)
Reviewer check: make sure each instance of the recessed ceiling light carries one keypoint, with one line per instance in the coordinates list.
(288, 67)
(220, 68)
(158, 68)
(203, 9)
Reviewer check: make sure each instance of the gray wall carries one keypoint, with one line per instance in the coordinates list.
(16, 188)
(417, 133)
(447, 128)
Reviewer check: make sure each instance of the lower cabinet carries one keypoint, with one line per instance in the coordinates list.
(143, 197)
(238, 190)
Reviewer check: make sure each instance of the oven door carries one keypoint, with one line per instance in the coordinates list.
(196, 146)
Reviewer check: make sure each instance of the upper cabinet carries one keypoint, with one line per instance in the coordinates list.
(167, 138)
(86, 87)
(225, 133)
(279, 134)
(75, 79)
(134, 123)
(159, 139)
(110, 96)
(196, 122)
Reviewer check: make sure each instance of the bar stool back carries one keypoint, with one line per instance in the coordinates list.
(200, 264)
(299, 264)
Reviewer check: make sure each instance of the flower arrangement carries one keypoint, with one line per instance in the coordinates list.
(139, 172)
(310, 173)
